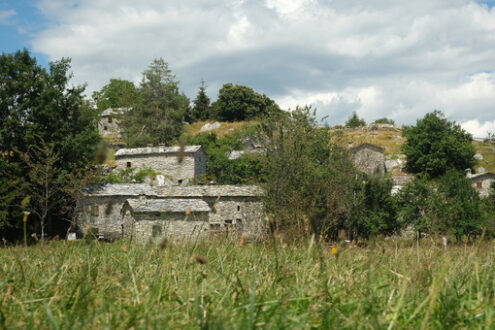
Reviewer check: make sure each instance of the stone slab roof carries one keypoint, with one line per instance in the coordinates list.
(482, 176)
(370, 146)
(210, 191)
(137, 189)
(168, 205)
(120, 189)
(113, 111)
(155, 150)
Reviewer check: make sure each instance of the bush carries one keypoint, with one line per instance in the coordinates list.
(355, 121)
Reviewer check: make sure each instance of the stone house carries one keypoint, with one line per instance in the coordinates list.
(141, 212)
(482, 182)
(369, 158)
(108, 124)
(181, 164)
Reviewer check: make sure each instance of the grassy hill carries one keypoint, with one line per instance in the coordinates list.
(389, 138)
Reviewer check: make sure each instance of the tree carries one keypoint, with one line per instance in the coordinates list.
(238, 103)
(309, 181)
(35, 105)
(435, 145)
(355, 121)
(202, 108)
(157, 118)
(117, 93)
(384, 120)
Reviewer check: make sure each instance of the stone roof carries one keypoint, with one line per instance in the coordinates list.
(113, 111)
(211, 191)
(137, 189)
(168, 205)
(481, 176)
(155, 150)
(367, 145)
(120, 189)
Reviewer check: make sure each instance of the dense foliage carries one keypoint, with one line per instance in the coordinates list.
(117, 93)
(355, 121)
(237, 103)
(157, 116)
(384, 120)
(45, 124)
(201, 109)
(435, 145)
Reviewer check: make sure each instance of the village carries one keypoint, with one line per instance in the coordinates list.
(172, 206)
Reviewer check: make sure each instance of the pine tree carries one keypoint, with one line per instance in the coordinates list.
(202, 108)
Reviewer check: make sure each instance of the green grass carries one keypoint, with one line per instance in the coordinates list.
(221, 284)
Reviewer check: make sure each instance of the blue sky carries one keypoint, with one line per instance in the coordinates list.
(380, 58)
(18, 29)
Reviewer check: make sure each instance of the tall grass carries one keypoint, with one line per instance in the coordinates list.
(224, 284)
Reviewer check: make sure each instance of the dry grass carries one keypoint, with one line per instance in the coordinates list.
(488, 151)
(221, 284)
(224, 129)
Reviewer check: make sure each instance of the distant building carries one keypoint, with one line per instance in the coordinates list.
(108, 124)
(141, 212)
(369, 158)
(181, 164)
(481, 182)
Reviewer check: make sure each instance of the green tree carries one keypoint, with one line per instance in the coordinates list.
(35, 105)
(309, 181)
(435, 145)
(384, 120)
(238, 103)
(201, 109)
(117, 93)
(355, 121)
(157, 118)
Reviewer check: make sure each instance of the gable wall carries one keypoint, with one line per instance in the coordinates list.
(369, 161)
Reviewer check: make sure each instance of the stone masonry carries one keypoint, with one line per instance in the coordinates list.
(369, 158)
(180, 163)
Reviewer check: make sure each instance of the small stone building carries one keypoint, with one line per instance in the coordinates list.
(182, 219)
(482, 182)
(108, 124)
(369, 158)
(180, 163)
(141, 212)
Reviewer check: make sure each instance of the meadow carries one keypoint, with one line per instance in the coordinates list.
(227, 284)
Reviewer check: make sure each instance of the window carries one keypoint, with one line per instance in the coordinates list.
(238, 207)
(238, 224)
(156, 230)
(179, 181)
(105, 128)
(479, 185)
(214, 226)
(129, 164)
(95, 210)
(228, 224)
(109, 120)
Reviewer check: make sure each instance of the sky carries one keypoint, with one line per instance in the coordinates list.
(380, 58)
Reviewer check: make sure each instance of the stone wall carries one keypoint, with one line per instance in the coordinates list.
(142, 228)
(108, 125)
(167, 164)
(369, 161)
(102, 213)
(482, 185)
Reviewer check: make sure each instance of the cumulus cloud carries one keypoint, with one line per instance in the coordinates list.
(6, 15)
(381, 58)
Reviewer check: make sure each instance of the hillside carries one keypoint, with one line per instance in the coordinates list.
(389, 138)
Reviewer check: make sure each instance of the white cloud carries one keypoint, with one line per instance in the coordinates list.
(377, 57)
(6, 15)
(479, 130)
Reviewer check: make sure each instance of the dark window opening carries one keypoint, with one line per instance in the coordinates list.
(95, 211)
(228, 224)
(105, 128)
(479, 185)
(180, 181)
(238, 207)
(109, 119)
(214, 226)
(129, 164)
(156, 231)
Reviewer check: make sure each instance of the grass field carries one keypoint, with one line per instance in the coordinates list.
(224, 284)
